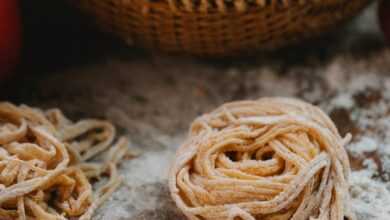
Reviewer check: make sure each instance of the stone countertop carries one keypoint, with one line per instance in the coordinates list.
(152, 99)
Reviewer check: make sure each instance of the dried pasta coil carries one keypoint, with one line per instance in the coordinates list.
(269, 159)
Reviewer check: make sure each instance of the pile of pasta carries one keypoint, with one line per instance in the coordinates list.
(47, 164)
(269, 159)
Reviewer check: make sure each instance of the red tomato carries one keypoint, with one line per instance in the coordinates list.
(384, 17)
(9, 35)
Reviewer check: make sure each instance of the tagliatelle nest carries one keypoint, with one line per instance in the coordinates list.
(270, 159)
(44, 168)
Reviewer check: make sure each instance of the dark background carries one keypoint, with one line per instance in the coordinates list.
(56, 35)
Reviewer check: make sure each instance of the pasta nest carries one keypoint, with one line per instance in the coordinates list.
(45, 167)
(269, 159)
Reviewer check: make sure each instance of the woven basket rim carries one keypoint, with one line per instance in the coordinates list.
(225, 6)
(170, 26)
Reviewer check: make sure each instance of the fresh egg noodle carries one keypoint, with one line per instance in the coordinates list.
(269, 159)
(45, 164)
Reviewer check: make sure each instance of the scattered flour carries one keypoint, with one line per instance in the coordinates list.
(370, 189)
(370, 186)
(143, 181)
(149, 168)
(370, 197)
(365, 145)
(343, 100)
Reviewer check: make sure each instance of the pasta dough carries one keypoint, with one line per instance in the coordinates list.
(269, 159)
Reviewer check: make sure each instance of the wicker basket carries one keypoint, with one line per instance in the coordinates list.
(218, 27)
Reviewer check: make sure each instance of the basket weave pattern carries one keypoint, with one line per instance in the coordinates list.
(218, 27)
